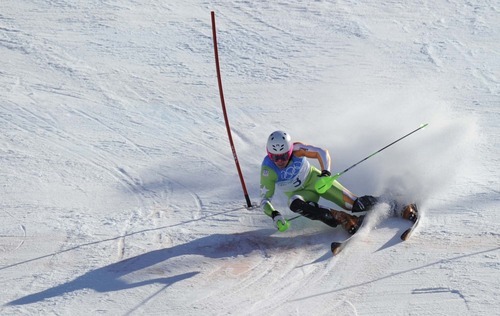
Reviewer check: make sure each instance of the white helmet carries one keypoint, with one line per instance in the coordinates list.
(279, 145)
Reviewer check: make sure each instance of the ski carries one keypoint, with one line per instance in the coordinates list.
(407, 233)
(337, 246)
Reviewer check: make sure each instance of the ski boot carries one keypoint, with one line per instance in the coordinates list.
(364, 203)
(410, 212)
(350, 223)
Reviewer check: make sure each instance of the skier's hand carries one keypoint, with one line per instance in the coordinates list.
(325, 173)
(279, 221)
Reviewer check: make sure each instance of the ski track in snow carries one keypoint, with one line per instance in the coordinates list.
(120, 194)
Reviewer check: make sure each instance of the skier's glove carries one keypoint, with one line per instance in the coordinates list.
(279, 221)
(325, 173)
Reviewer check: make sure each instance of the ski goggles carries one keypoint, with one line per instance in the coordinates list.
(278, 157)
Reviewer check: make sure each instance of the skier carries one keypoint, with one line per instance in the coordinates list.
(286, 167)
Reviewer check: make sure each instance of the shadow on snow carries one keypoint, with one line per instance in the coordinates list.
(112, 277)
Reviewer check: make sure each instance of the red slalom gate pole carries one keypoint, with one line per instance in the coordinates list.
(228, 128)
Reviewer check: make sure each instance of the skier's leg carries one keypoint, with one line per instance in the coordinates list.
(347, 200)
(339, 195)
(312, 210)
(330, 217)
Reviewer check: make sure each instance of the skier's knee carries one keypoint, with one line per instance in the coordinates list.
(364, 203)
(296, 203)
(310, 210)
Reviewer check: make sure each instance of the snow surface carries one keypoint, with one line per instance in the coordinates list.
(120, 194)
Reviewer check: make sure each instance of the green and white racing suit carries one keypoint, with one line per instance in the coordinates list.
(298, 179)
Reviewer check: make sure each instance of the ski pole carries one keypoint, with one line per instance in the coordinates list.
(292, 218)
(324, 183)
